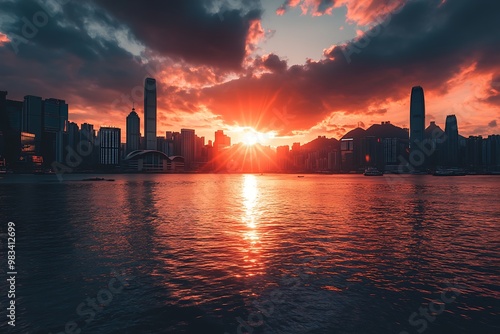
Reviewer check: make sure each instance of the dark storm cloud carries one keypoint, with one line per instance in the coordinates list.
(59, 58)
(188, 29)
(271, 62)
(426, 43)
(57, 53)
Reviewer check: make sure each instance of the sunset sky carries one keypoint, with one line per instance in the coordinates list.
(291, 70)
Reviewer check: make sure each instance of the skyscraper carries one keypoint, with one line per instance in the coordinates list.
(55, 125)
(133, 131)
(188, 147)
(150, 113)
(32, 118)
(417, 116)
(109, 150)
(89, 144)
(451, 143)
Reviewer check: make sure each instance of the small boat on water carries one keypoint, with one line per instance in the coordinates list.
(372, 171)
(97, 179)
(300, 175)
(450, 172)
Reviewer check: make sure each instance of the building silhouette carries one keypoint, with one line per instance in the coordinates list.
(36, 131)
(188, 143)
(150, 114)
(32, 119)
(133, 132)
(109, 146)
(417, 119)
(221, 143)
(14, 111)
(434, 137)
(88, 141)
(55, 125)
(451, 141)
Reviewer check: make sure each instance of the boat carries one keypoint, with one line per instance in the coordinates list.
(449, 172)
(300, 175)
(97, 179)
(372, 171)
(94, 179)
(418, 172)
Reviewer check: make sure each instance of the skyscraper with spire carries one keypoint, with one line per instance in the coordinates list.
(150, 114)
(133, 131)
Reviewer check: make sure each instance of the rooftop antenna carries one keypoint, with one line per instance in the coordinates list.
(133, 106)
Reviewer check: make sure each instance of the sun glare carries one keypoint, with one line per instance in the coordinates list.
(251, 137)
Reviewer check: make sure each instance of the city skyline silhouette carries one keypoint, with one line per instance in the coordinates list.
(249, 166)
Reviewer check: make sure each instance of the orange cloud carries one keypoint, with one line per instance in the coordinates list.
(255, 34)
(4, 39)
(363, 12)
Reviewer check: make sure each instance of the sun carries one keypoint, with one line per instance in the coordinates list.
(250, 138)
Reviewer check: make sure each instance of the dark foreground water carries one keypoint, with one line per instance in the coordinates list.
(253, 254)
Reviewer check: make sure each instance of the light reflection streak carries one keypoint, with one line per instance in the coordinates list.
(250, 219)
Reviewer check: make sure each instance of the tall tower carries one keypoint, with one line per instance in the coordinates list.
(417, 116)
(133, 131)
(150, 114)
(451, 143)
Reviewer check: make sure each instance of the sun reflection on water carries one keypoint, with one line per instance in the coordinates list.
(250, 219)
(250, 193)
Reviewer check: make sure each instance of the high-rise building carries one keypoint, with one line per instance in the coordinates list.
(451, 142)
(14, 113)
(89, 145)
(417, 116)
(150, 113)
(32, 119)
(73, 135)
(198, 148)
(221, 140)
(109, 146)
(55, 125)
(133, 131)
(188, 147)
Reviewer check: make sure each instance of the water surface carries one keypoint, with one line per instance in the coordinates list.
(255, 253)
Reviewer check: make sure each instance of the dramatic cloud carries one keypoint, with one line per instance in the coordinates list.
(427, 43)
(3, 39)
(362, 12)
(96, 55)
(271, 62)
(198, 31)
(210, 66)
